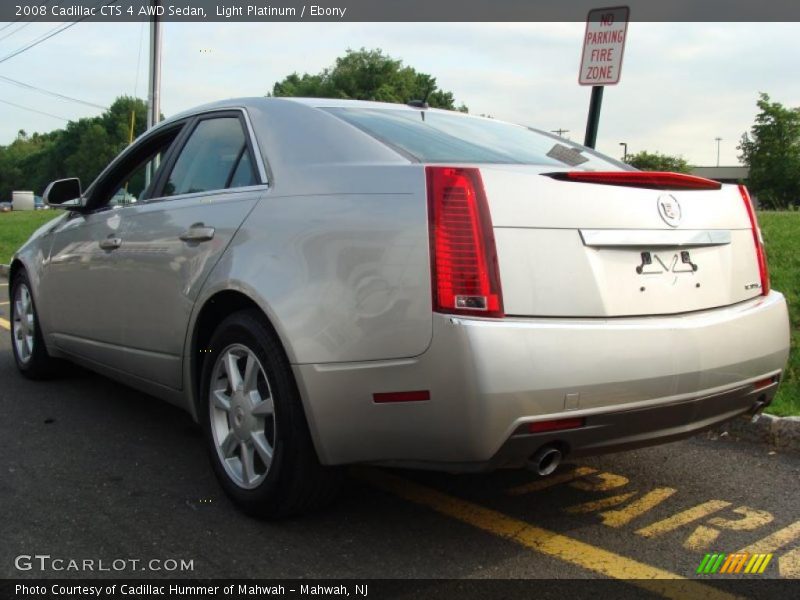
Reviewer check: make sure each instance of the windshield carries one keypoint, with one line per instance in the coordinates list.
(442, 137)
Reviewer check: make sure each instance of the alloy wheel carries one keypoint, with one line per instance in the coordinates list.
(242, 416)
(24, 326)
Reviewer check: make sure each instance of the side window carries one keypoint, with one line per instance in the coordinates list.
(214, 157)
(138, 181)
(131, 181)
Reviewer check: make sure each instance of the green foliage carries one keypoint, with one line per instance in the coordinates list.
(655, 161)
(17, 226)
(368, 75)
(82, 149)
(781, 231)
(772, 151)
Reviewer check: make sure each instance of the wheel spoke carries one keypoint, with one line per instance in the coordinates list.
(262, 447)
(222, 401)
(19, 309)
(265, 408)
(228, 445)
(232, 371)
(251, 372)
(246, 455)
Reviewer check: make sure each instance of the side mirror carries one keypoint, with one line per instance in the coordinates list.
(64, 193)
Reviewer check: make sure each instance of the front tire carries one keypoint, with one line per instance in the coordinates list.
(254, 424)
(27, 342)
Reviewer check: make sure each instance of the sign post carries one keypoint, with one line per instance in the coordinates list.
(601, 61)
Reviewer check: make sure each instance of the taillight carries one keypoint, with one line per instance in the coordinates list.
(761, 256)
(464, 272)
(643, 179)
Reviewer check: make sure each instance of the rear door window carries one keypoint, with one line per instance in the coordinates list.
(216, 156)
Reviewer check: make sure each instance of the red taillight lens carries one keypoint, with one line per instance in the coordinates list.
(761, 256)
(557, 425)
(464, 273)
(643, 179)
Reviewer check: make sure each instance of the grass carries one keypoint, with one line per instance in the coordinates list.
(781, 233)
(17, 226)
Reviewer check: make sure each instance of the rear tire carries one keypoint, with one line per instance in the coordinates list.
(255, 427)
(27, 342)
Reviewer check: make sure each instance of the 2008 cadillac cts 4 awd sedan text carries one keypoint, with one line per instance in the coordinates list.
(327, 282)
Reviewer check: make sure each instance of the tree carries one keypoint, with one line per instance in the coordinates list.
(368, 75)
(772, 152)
(82, 149)
(655, 161)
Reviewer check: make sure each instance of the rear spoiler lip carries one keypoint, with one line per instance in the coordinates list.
(657, 180)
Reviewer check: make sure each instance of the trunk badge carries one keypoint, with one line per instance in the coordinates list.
(670, 210)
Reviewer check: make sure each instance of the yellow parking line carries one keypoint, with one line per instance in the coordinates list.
(546, 542)
(774, 541)
(683, 518)
(5, 324)
(623, 516)
(541, 484)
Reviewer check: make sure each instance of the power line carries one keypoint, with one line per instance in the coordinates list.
(24, 25)
(47, 36)
(7, 25)
(50, 93)
(41, 112)
(55, 31)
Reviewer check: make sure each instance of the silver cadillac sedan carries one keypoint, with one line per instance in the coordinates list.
(328, 282)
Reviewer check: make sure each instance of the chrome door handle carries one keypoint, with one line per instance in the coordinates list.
(197, 233)
(111, 243)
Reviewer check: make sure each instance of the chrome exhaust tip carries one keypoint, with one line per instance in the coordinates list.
(545, 461)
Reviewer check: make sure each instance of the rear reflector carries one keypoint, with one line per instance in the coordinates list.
(764, 383)
(556, 425)
(464, 272)
(641, 179)
(417, 396)
(761, 256)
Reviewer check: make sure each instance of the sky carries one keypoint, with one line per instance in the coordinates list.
(682, 85)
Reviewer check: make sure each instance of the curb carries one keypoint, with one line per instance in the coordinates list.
(782, 433)
(4, 270)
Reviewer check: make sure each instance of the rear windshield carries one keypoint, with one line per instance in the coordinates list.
(439, 137)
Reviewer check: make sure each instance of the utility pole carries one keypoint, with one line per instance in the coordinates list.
(154, 79)
(718, 139)
(559, 132)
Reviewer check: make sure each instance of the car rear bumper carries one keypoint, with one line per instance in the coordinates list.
(635, 381)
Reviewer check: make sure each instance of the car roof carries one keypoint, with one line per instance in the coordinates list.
(264, 102)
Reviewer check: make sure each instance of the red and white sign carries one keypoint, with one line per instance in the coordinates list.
(603, 46)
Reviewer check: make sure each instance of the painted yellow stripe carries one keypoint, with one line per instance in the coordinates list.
(683, 518)
(776, 540)
(546, 542)
(5, 324)
(789, 564)
(601, 504)
(542, 484)
(623, 516)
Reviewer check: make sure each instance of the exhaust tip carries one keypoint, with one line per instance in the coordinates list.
(546, 460)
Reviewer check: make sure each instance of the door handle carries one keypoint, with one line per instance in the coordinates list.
(110, 243)
(197, 233)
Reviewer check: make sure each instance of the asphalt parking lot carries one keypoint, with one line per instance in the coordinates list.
(92, 469)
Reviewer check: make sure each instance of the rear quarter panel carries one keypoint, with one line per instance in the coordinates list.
(342, 274)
